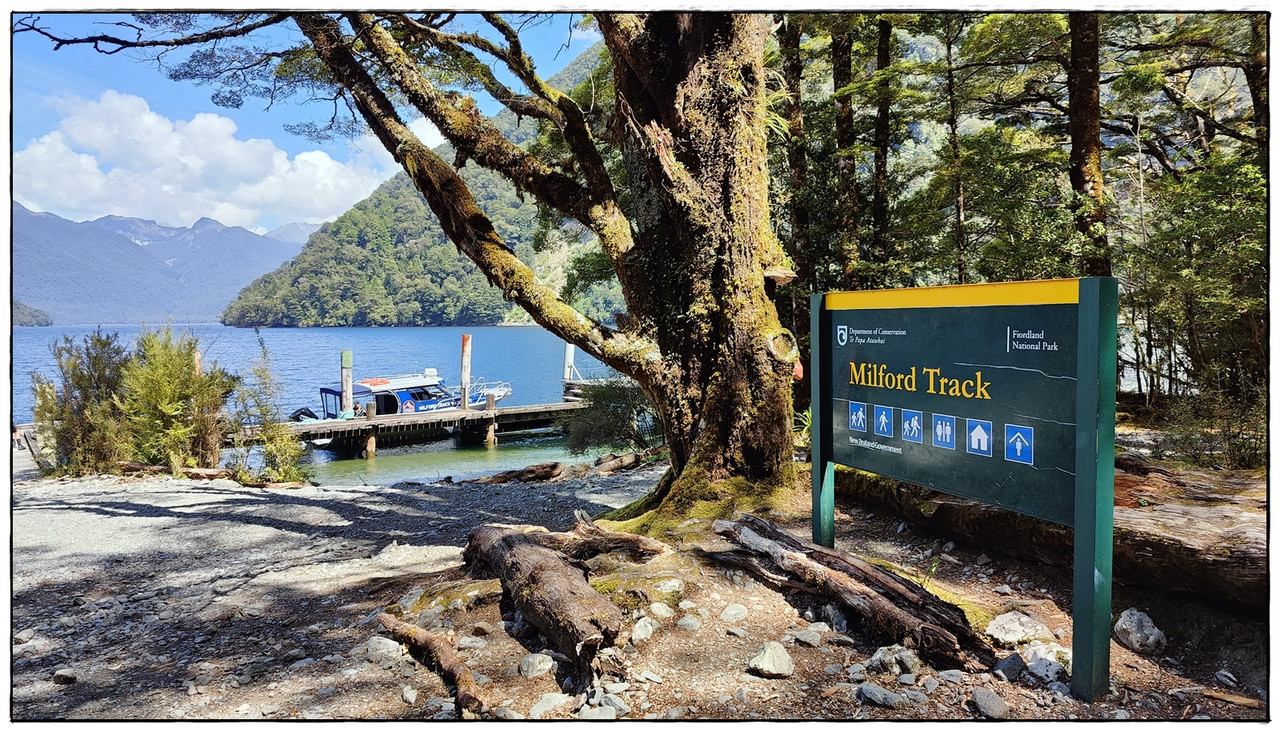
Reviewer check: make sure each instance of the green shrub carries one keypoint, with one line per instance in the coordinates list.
(257, 404)
(172, 406)
(78, 423)
(618, 415)
(1213, 429)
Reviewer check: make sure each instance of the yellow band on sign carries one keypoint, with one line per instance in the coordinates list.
(1038, 292)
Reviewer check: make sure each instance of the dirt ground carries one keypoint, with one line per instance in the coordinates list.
(295, 639)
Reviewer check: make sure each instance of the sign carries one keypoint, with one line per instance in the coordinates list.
(1014, 385)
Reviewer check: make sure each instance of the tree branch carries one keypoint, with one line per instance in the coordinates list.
(116, 44)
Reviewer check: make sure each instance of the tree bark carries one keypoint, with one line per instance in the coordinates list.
(1085, 124)
(789, 34)
(553, 594)
(1256, 76)
(846, 153)
(893, 606)
(880, 143)
(441, 654)
(951, 35)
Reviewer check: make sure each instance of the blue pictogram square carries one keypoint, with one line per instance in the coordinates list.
(858, 416)
(1019, 444)
(944, 431)
(978, 437)
(883, 421)
(912, 426)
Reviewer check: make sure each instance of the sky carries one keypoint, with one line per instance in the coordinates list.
(96, 135)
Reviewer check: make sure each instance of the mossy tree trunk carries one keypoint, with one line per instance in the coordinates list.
(690, 249)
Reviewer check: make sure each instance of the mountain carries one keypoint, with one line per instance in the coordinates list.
(294, 233)
(386, 262)
(24, 314)
(127, 270)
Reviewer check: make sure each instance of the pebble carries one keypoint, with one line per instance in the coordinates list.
(661, 610)
(648, 675)
(951, 675)
(687, 605)
(989, 703)
(907, 679)
(1013, 629)
(472, 643)
(869, 693)
(409, 695)
(1135, 630)
(643, 630)
(773, 661)
(811, 638)
(381, 648)
(736, 632)
(1012, 666)
(617, 703)
(616, 687)
(894, 659)
(547, 703)
(834, 668)
(506, 713)
(930, 685)
(65, 676)
(536, 664)
(603, 712)
(1002, 590)
(734, 613)
(689, 622)
(670, 585)
(916, 696)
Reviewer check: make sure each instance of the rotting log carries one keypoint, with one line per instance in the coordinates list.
(440, 652)
(548, 588)
(1203, 533)
(530, 474)
(127, 466)
(889, 604)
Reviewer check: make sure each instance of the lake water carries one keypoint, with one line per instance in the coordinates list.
(303, 359)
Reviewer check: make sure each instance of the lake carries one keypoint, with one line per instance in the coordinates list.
(302, 360)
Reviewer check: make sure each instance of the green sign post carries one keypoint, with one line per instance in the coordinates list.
(1002, 392)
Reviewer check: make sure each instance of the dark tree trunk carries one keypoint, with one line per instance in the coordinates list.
(1256, 74)
(846, 154)
(789, 33)
(880, 143)
(1085, 123)
(951, 36)
(690, 91)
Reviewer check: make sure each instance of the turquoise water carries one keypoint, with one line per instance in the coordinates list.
(303, 359)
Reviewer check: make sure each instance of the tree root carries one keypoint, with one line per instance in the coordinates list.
(441, 654)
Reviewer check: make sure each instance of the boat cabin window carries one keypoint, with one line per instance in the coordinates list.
(330, 403)
(388, 404)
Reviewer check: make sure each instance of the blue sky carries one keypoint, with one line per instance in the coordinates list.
(95, 135)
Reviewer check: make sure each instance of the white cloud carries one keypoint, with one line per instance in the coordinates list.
(117, 156)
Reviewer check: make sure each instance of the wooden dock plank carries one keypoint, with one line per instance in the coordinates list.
(392, 423)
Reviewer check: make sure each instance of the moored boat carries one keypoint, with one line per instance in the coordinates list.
(407, 394)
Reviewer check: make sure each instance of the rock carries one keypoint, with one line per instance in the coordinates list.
(409, 695)
(297, 654)
(505, 713)
(835, 618)
(1135, 631)
(951, 675)
(674, 713)
(471, 643)
(616, 688)
(380, 648)
(834, 668)
(65, 676)
(1057, 687)
(734, 613)
(670, 585)
(907, 679)
(1047, 661)
(687, 605)
(534, 665)
(1122, 714)
(1226, 677)
(643, 630)
(894, 659)
(930, 685)
(869, 693)
(1012, 666)
(615, 701)
(773, 661)
(648, 675)
(1013, 629)
(689, 622)
(916, 696)
(483, 628)
(1002, 590)
(811, 638)
(601, 712)
(737, 632)
(819, 627)
(982, 559)
(409, 599)
(548, 703)
(989, 703)
(26, 635)
(661, 610)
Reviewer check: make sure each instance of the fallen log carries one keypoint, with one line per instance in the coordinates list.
(889, 604)
(549, 590)
(1203, 533)
(440, 652)
(128, 466)
(530, 474)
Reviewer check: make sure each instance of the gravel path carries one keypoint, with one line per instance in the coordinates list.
(127, 582)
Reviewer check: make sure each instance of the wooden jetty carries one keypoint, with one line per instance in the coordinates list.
(481, 426)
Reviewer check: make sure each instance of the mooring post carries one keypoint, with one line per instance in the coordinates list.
(491, 432)
(466, 370)
(370, 444)
(370, 410)
(348, 403)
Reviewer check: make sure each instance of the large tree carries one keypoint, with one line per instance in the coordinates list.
(690, 241)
